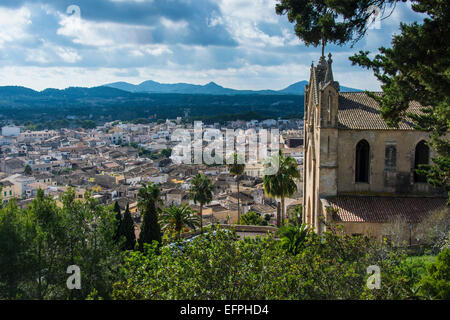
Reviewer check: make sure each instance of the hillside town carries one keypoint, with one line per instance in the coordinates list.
(224, 154)
(114, 160)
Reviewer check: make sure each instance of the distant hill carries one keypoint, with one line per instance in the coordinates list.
(69, 93)
(210, 88)
(107, 103)
(14, 91)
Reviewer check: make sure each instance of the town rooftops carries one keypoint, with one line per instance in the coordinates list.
(356, 110)
(14, 163)
(383, 209)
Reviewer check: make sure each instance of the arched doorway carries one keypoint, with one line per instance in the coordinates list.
(362, 161)
(421, 156)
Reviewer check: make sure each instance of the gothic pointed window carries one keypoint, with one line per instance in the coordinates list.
(362, 161)
(329, 108)
(422, 156)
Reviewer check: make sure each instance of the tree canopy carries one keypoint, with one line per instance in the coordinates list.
(201, 192)
(148, 201)
(282, 183)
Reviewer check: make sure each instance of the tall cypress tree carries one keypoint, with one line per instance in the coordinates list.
(148, 198)
(127, 230)
(118, 233)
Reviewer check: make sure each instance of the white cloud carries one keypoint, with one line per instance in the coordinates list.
(98, 34)
(268, 55)
(153, 50)
(14, 24)
(37, 55)
(83, 32)
(49, 52)
(242, 18)
(250, 10)
(68, 55)
(174, 26)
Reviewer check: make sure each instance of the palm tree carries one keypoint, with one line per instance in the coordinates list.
(293, 238)
(237, 168)
(148, 201)
(282, 184)
(176, 218)
(201, 192)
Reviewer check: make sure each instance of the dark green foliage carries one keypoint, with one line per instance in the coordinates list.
(315, 22)
(293, 238)
(282, 183)
(166, 153)
(45, 111)
(216, 266)
(86, 124)
(118, 233)
(38, 243)
(175, 219)
(127, 230)
(148, 200)
(251, 218)
(28, 171)
(295, 215)
(334, 21)
(438, 175)
(436, 283)
(14, 267)
(201, 192)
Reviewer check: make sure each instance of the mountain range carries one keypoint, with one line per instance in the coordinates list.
(124, 101)
(211, 88)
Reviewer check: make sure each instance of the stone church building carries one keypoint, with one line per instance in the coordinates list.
(358, 172)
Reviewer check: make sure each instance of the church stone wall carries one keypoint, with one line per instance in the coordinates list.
(382, 180)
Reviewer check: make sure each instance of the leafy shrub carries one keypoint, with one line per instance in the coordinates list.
(436, 283)
(252, 218)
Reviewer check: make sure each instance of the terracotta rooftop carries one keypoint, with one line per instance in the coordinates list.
(359, 111)
(382, 209)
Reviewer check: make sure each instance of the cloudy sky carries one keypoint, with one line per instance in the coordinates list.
(240, 44)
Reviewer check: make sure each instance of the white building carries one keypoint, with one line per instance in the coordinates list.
(11, 131)
(22, 185)
(36, 136)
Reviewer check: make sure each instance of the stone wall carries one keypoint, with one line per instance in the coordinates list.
(382, 179)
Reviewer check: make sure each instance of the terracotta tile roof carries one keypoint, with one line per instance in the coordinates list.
(358, 111)
(382, 209)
